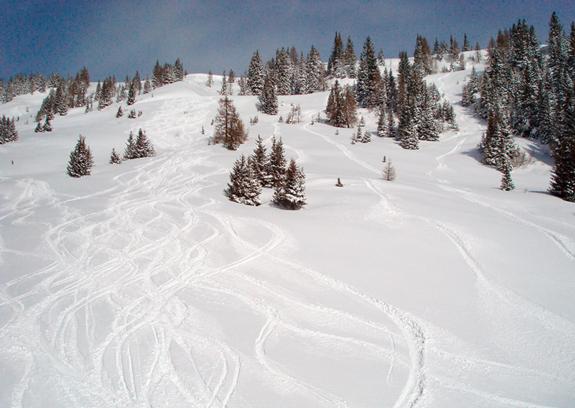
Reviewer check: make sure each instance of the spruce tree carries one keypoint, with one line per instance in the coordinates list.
(382, 128)
(130, 150)
(81, 162)
(255, 80)
(349, 59)
(120, 112)
(277, 163)
(268, 100)
(143, 147)
(115, 158)
(132, 94)
(506, 181)
(261, 164)
(243, 187)
(563, 175)
(336, 65)
(314, 72)
(291, 193)
(368, 84)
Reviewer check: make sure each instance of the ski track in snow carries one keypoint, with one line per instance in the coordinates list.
(106, 316)
(84, 275)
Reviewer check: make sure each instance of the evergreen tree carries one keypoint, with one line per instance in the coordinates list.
(291, 194)
(314, 72)
(403, 73)
(255, 75)
(466, 44)
(563, 175)
(143, 147)
(229, 129)
(261, 164)
(147, 86)
(422, 56)
(277, 163)
(382, 128)
(132, 94)
(268, 100)
(336, 64)
(368, 86)
(120, 112)
(283, 72)
(243, 187)
(115, 158)
(130, 150)
(349, 59)
(81, 161)
(506, 181)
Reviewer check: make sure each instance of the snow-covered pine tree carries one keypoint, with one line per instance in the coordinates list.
(283, 72)
(277, 162)
(422, 56)
(81, 161)
(132, 94)
(115, 157)
(336, 64)
(506, 181)
(143, 147)
(314, 72)
(130, 150)
(368, 86)
(268, 100)
(563, 175)
(291, 193)
(255, 78)
(229, 129)
(382, 129)
(403, 73)
(120, 112)
(243, 187)
(349, 59)
(261, 164)
(147, 86)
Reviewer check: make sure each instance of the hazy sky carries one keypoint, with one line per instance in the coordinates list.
(118, 37)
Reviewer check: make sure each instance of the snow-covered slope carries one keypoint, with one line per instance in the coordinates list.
(142, 286)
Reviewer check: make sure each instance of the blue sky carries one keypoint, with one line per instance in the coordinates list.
(118, 37)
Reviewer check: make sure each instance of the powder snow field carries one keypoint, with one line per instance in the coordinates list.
(142, 286)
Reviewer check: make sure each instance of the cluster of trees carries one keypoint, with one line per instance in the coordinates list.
(528, 91)
(21, 84)
(81, 159)
(260, 170)
(66, 94)
(229, 128)
(341, 109)
(290, 72)
(341, 63)
(167, 73)
(136, 149)
(421, 112)
(8, 131)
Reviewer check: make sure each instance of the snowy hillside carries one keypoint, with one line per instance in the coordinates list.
(143, 286)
